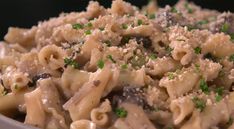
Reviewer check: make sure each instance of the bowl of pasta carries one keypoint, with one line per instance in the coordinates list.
(120, 67)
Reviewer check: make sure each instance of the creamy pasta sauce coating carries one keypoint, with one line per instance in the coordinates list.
(122, 68)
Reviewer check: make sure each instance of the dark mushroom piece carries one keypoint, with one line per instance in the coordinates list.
(38, 77)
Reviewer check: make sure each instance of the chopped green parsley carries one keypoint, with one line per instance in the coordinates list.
(139, 22)
(197, 67)
(199, 103)
(219, 90)
(190, 10)
(100, 64)
(225, 28)
(71, 62)
(202, 22)
(16, 87)
(203, 86)
(197, 50)
(89, 24)
(171, 75)
(125, 26)
(153, 56)
(121, 112)
(219, 93)
(218, 98)
(108, 43)
(124, 66)
(110, 58)
(101, 28)
(77, 26)
(4, 93)
(174, 10)
(151, 16)
(231, 58)
(88, 32)
(230, 121)
(169, 50)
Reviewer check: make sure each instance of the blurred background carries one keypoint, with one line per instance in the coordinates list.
(26, 13)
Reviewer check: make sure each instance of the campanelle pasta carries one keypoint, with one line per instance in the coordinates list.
(122, 68)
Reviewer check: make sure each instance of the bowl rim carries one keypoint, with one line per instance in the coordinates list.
(8, 123)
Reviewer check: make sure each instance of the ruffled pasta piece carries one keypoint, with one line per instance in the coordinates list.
(120, 7)
(14, 80)
(9, 103)
(218, 45)
(88, 97)
(24, 37)
(161, 66)
(177, 85)
(52, 105)
(136, 117)
(52, 56)
(161, 117)
(181, 108)
(100, 115)
(135, 77)
(83, 124)
(72, 80)
(182, 52)
(29, 63)
(209, 69)
(211, 116)
(95, 56)
(34, 108)
(91, 43)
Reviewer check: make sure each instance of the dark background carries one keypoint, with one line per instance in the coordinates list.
(25, 13)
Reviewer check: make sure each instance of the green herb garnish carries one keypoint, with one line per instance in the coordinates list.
(100, 64)
(231, 58)
(230, 121)
(121, 112)
(153, 56)
(219, 90)
(110, 58)
(219, 93)
(125, 39)
(16, 87)
(108, 43)
(139, 22)
(190, 10)
(199, 103)
(71, 62)
(221, 73)
(197, 68)
(125, 26)
(4, 93)
(151, 16)
(232, 36)
(218, 98)
(202, 22)
(88, 32)
(124, 66)
(173, 10)
(77, 26)
(169, 50)
(225, 28)
(101, 28)
(89, 24)
(203, 86)
(171, 75)
(197, 50)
